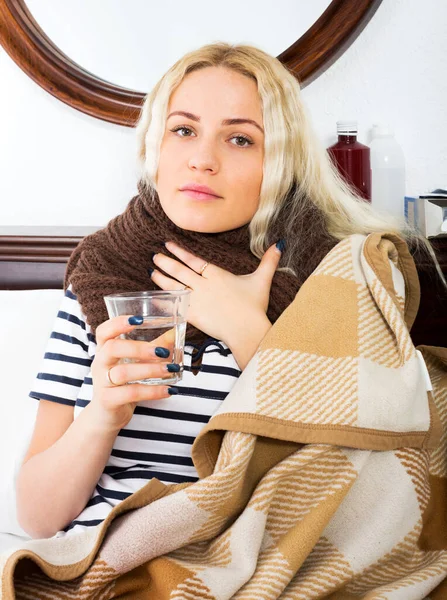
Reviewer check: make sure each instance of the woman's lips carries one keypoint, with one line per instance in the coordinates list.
(200, 195)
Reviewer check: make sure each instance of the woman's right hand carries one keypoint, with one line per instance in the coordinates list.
(112, 406)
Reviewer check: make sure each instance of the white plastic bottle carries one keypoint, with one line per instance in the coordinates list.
(388, 171)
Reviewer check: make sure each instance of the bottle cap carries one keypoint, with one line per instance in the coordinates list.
(380, 129)
(347, 127)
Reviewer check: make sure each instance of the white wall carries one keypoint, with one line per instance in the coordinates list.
(60, 167)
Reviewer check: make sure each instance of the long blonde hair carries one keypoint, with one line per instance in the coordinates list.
(297, 169)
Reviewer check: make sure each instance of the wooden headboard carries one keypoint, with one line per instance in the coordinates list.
(38, 262)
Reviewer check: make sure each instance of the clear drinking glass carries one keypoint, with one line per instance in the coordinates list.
(161, 310)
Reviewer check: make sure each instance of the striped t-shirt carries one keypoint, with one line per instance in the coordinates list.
(157, 440)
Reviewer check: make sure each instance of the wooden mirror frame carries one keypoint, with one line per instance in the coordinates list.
(43, 61)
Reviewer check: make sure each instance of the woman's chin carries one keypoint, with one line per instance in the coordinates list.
(202, 225)
(202, 228)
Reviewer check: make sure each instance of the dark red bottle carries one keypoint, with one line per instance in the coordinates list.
(352, 158)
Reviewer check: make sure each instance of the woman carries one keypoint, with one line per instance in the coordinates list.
(229, 118)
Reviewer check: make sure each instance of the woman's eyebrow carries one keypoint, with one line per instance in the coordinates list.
(189, 115)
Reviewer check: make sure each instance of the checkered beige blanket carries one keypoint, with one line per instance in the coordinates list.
(322, 475)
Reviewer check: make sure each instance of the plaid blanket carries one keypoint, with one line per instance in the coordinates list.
(322, 474)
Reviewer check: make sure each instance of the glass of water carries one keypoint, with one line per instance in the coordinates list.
(161, 311)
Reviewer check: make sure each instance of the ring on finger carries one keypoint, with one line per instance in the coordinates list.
(109, 379)
(204, 266)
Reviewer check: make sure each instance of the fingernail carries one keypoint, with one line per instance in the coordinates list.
(150, 271)
(161, 352)
(173, 390)
(281, 245)
(135, 320)
(173, 368)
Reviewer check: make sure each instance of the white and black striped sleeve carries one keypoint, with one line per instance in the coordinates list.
(68, 355)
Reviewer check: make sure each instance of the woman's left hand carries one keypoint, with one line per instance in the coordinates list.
(223, 305)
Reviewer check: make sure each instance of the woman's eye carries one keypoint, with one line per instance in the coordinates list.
(179, 129)
(242, 138)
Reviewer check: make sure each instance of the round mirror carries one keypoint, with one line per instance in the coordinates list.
(103, 58)
(117, 47)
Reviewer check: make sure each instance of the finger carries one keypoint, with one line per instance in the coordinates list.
(136, 392)
(137, 350)
(168, 337)
(124, 373)
(166, 283)
(176, 270)
(269, 263)
(113, 327)
(191, 260)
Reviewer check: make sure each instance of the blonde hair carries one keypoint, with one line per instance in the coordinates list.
(297, 169)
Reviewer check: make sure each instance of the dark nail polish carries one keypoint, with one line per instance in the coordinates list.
(281, 245)
(135, 320)
(150, 271)
(173, 390)
(173, 368)
(161, 352)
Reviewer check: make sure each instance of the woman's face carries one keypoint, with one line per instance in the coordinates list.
(200, 148)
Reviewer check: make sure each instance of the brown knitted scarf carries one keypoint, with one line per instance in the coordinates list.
(116, 258)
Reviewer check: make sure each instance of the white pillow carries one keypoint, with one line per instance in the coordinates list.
(26, 321)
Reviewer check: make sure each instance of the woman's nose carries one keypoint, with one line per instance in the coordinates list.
(204, 157)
